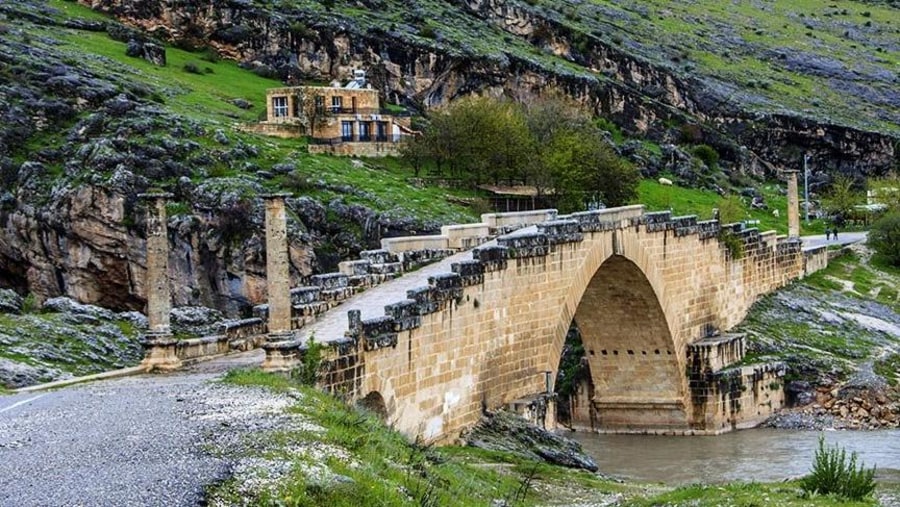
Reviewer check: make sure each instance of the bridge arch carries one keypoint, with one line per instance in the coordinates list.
(374, 403)
(632, 356)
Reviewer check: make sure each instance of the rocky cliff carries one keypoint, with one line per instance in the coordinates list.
(79, 141)
(516, 49)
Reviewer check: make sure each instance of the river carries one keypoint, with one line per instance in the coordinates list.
(748, 455)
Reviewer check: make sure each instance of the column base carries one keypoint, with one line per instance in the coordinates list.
(160, 352)
(282, 352)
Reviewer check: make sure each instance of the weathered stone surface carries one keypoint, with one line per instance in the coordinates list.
(10, 302)
(195, 321)
(507, 432)
(14, 374)
(153, 53)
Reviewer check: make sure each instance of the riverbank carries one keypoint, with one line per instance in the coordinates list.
(326, 453)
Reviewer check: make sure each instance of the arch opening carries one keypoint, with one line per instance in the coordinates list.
(636, 383)
(374, 403)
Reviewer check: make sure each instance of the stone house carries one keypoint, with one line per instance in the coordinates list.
(341, 120)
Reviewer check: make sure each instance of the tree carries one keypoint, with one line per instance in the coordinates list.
(841, 198)
(884, 237)
(310, 108)
(548, 143)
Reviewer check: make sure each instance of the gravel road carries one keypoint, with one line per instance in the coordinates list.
(146, 440)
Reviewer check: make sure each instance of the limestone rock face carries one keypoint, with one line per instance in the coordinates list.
(81, 247)
(639, 95)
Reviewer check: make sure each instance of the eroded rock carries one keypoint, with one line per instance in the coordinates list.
(505, 431)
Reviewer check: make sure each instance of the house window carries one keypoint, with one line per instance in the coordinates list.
(381, 131)
(346, 131)
(336, 104)
(365, 133)
(280, 107)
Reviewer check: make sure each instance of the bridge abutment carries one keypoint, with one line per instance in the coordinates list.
(159, 344)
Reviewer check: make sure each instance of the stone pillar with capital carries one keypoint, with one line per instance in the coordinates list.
(793, 210)
(159, 344)
(280, 355)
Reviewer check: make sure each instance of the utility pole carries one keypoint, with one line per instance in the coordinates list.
(806, 185)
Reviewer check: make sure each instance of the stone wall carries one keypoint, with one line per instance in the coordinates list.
(483, 335)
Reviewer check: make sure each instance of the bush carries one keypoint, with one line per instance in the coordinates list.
(308, 371)
(884, 237)
(833, 473)
(707, 154)
(191, 68)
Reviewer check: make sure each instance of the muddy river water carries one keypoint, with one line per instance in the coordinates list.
(748, 455)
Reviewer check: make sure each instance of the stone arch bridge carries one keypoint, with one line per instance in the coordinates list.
(650, 293)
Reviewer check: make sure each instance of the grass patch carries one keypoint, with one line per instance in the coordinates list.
(787, 494)
(385, 469)
(259, 378)
(889, 368)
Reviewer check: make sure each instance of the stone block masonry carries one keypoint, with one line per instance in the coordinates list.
(642, 287)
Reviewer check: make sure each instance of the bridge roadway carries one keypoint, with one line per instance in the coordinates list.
(145, 440)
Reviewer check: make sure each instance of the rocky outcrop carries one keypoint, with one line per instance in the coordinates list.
(71, 223)
(64, 338)
(641, 96)
(507, 432)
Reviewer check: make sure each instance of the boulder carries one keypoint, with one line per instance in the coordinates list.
(195, 320)
(153, 53)
(14, 374)
(507, 432)
(87, 314)
(10, 302)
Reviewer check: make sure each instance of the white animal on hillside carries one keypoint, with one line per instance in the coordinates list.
(665, 181)
(775, 213)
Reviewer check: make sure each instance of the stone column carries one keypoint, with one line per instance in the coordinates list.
(159, 345)
(281, 351)
(793, 205)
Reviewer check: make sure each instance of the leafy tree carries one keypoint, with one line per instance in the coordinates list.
(884, 237)
(311, 109)
(548, 143)
(841, 198)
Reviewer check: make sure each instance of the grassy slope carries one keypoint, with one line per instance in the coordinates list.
(739, 45)
(206, 99)
(807, 324)
(689, 201)
(740, 42)
(380, 467)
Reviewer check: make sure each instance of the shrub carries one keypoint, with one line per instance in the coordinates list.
(707, 154)
(30, 304)
(191, 68)
(308, 372)
(884, 237)
(211, 55)
(834, 473)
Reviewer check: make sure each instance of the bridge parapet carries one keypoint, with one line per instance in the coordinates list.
(494, 324)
